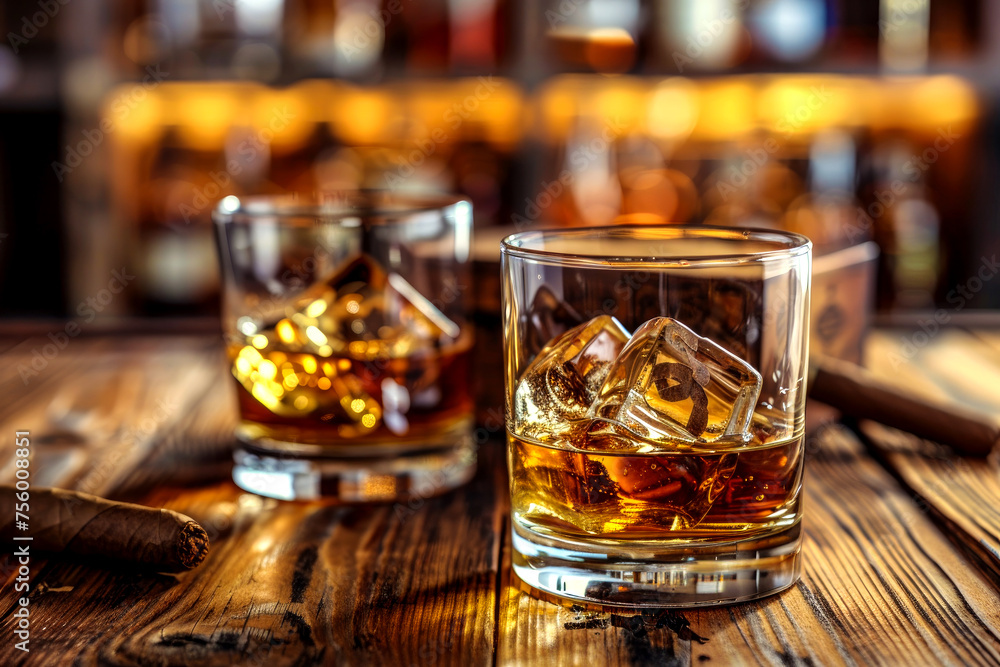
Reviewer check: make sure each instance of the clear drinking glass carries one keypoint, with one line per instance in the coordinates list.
(655, 411)
(345, 318)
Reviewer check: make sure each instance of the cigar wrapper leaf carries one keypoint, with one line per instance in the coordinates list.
(80, 524)
(858, 393)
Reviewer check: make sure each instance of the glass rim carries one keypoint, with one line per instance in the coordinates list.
(788, 245)
(333, 205)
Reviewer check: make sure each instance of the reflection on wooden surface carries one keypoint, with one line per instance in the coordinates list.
(429, 582)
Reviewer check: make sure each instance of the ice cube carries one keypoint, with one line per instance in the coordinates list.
(558, 387)
(548, 316)
(670, 385)
(675, 490)
(679, 488)
(724, 310)
(361, 311)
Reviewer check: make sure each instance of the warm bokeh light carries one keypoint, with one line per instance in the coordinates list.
(726, 109)
(672, 109)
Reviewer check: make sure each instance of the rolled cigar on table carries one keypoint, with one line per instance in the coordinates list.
(857, 392)
(61, 521)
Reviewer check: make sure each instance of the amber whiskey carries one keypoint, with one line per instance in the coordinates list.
(358, 359)
(568, 489)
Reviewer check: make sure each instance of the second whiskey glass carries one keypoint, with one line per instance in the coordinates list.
(345, 319)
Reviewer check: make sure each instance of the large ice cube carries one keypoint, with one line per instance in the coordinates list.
(670, 385)
(361, 311)
(556, 390)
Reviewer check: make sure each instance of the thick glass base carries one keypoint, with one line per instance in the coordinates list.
(647, 574)
(293, 471)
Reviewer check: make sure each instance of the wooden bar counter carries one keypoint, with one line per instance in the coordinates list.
(901, 538)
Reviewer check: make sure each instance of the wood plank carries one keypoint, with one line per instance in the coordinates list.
(881, 585)
(954, 365)
(963, 493)
(285, 583)
(97, 411)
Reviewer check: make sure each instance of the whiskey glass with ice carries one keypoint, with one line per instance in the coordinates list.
(655, 382)
(345, 322)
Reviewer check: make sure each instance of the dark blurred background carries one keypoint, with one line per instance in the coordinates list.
(122, 124)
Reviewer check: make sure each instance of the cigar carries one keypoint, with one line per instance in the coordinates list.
(68, 522)
(856, 392)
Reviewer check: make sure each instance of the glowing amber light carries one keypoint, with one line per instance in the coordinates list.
(726, 110)
(318, 307)
(259, 341)
(362, 117)
(309, 364)
(805, 104)
(144, 118)
(357, 405)
(251, 355)
(267, 399)
(941, 100)
(286, 331)
(672, 109)
(323, 383)
(281, 118)
(205, 112)
(368, 420)
(267, 369)
(316, 336)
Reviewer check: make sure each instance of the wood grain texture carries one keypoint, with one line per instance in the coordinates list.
(963, 493)
(285, 583)
(881, 586)
(313, 583)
